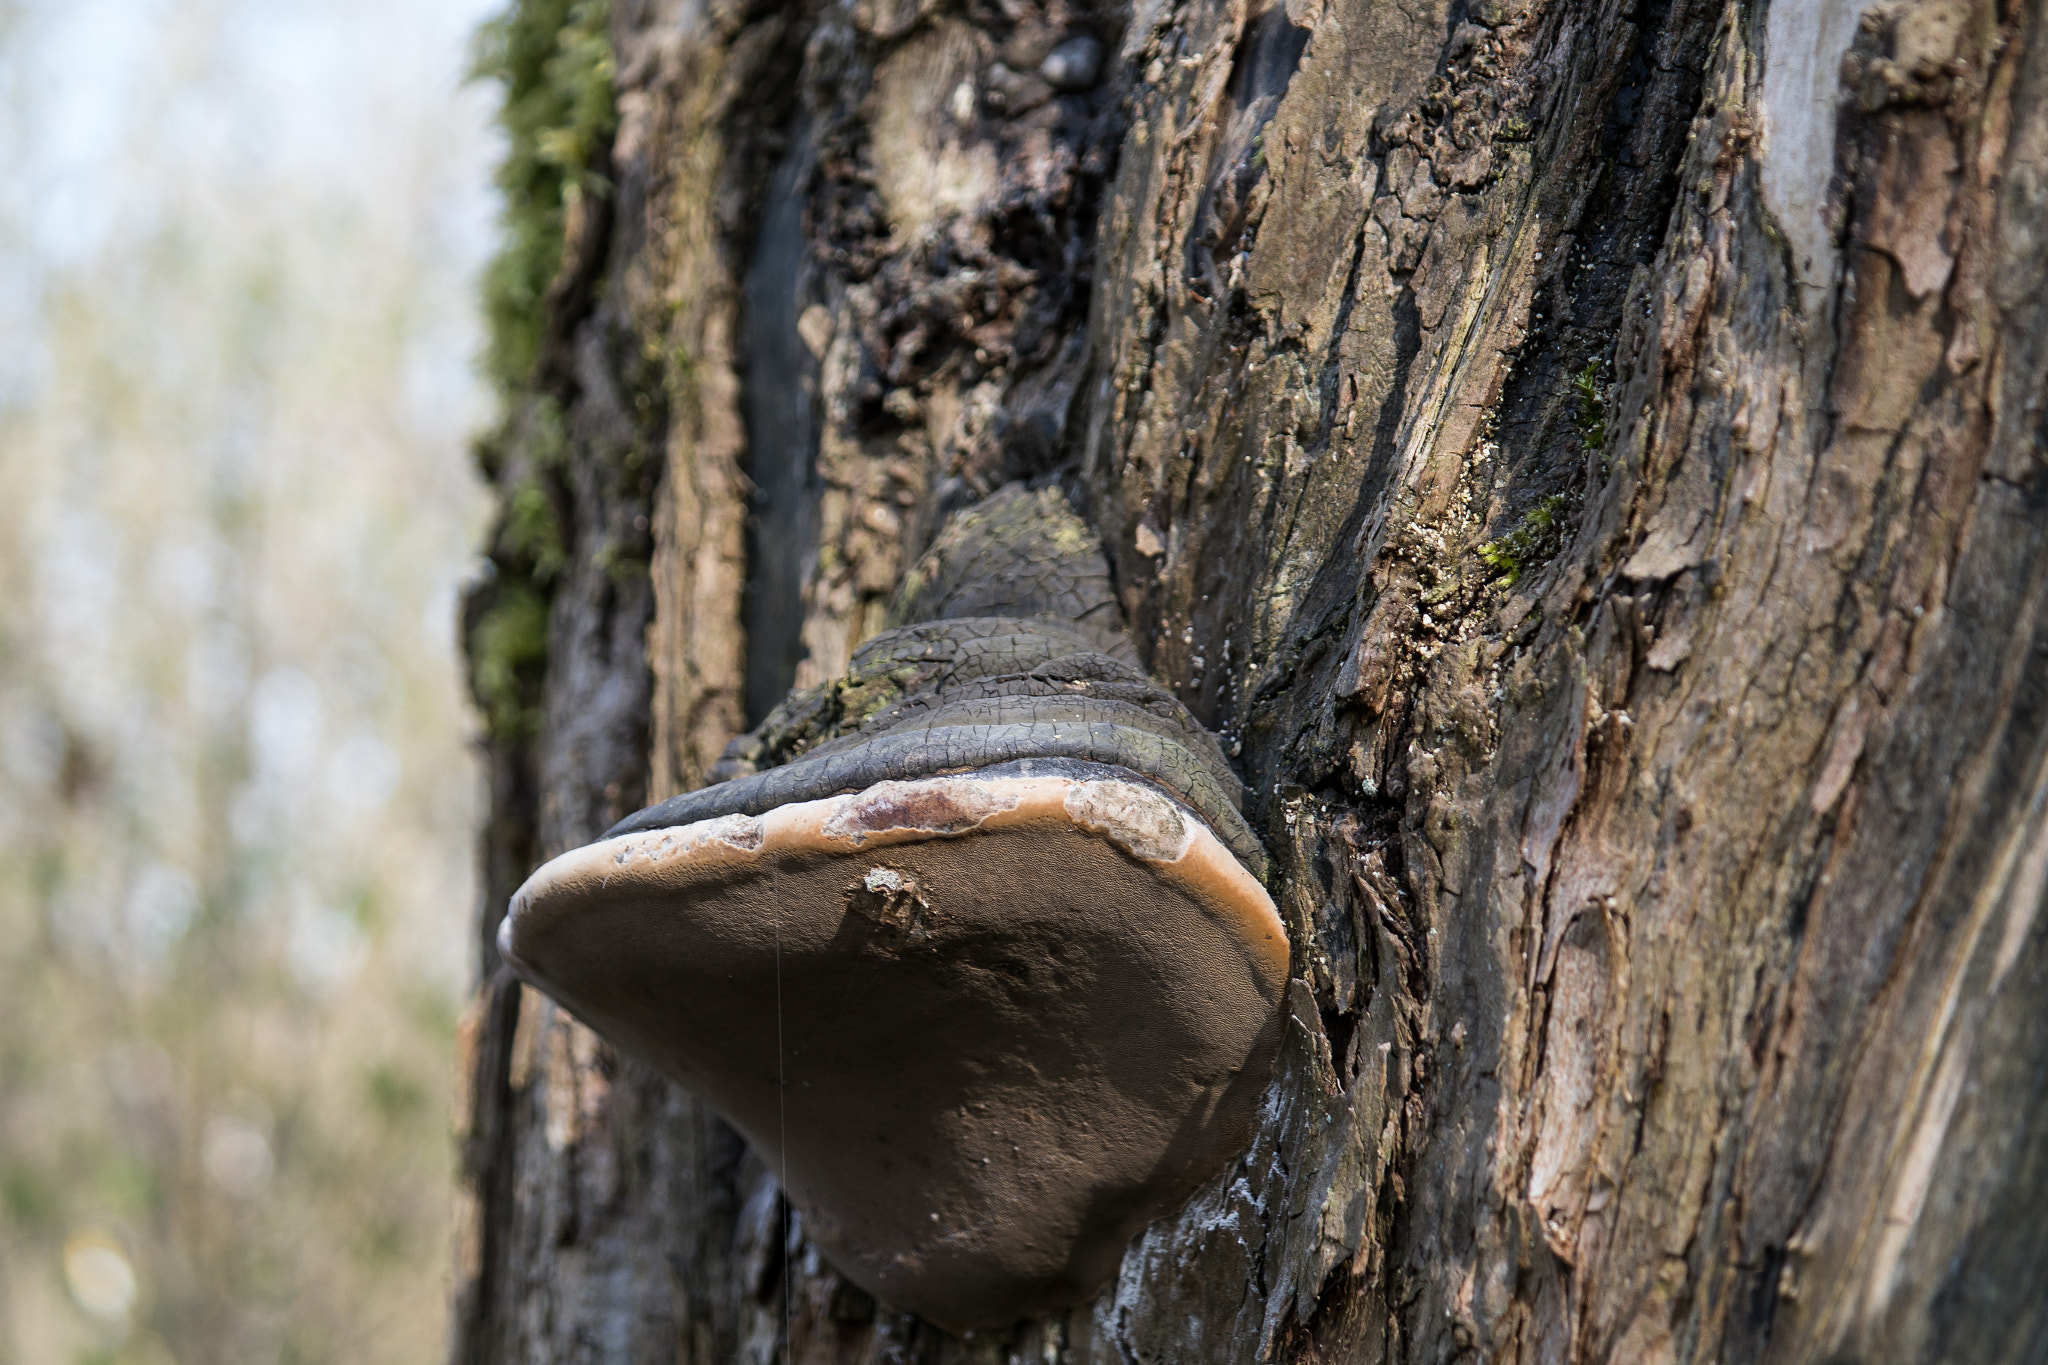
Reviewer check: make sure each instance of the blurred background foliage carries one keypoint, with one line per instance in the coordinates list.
(241, 250)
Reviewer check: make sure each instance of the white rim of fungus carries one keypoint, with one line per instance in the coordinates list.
(1132, 816)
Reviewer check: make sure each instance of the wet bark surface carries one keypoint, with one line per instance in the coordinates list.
(1629, 631)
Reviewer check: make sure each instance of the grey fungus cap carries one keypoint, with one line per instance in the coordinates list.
(969, 943)
(1020, 1014)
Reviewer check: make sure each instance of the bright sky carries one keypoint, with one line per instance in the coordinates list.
(239, 245)
(238, 248)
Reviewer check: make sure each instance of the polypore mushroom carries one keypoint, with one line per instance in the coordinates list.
(970, 945)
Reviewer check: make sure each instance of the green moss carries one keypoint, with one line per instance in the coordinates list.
(533, 530)
(1591, 418)
(554, 60)
(1536, 537)
(508, 652)
(508, 613)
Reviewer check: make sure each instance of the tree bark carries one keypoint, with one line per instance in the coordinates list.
(1585, 460)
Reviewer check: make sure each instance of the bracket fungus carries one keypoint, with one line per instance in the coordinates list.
(970, 943)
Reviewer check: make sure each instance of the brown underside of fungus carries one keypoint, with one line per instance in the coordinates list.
(969, 943)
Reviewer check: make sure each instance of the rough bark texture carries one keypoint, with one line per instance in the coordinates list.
(1594, 485)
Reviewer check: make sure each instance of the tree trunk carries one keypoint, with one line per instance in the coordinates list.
(1585, 460)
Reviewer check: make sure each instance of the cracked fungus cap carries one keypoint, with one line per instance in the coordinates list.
(1005, 1021)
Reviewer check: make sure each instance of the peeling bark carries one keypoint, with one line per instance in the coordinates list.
(1606, 529)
